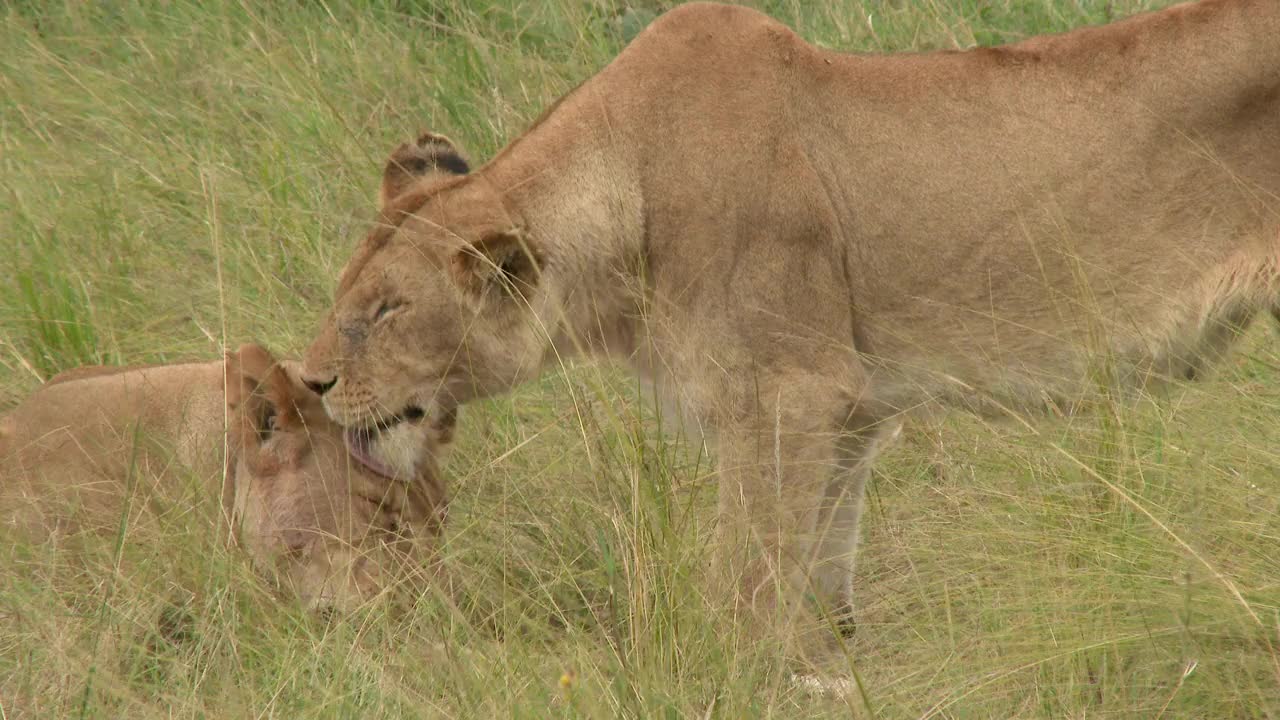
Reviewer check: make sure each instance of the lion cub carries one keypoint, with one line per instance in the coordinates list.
(335, 517)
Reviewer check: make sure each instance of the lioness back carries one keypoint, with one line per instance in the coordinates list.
(986, 223)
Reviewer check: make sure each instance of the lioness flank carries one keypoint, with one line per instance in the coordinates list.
(335, 525)
(799, 246)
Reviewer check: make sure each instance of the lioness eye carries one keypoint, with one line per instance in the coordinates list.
(383, 309)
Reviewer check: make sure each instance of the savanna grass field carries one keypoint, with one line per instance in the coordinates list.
(180, 177)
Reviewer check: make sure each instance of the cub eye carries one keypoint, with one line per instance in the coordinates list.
(268, 424)
(384, 308)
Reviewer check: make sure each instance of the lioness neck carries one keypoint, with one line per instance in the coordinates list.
(578, 195)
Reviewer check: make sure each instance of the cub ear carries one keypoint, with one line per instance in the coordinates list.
(501, 264)
(430, 155)
(260, 397)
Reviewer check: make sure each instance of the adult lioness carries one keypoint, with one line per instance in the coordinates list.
(800, 245)
(337, 526)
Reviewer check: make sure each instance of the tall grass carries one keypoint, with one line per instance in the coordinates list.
(183, 176)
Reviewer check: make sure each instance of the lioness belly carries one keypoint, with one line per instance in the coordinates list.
(1056, 344)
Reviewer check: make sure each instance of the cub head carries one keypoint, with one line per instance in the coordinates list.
(336, 517)
(433, 307)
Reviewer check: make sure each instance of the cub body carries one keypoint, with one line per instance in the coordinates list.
(95, 447)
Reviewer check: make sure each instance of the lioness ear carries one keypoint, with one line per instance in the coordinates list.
(431, 154)
(501, 264)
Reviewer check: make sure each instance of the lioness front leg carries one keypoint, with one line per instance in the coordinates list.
(838, 525)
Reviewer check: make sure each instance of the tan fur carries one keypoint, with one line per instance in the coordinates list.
(798, 246)
(98, 441)
(430, 157)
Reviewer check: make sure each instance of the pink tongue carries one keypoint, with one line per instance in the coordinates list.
(358, 444)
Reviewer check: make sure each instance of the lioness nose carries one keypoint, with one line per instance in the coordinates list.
(320, 386)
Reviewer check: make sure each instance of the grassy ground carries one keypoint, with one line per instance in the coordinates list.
(183, 178)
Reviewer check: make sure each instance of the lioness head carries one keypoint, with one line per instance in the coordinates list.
(428, 311)
(335, 525)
